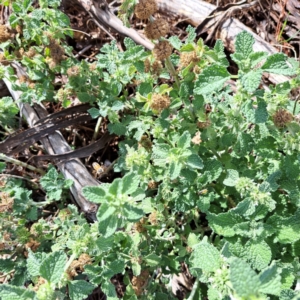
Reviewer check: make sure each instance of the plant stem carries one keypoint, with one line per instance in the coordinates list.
(72, 257)
(296, 100)
(172, 72)
(194, 290)
(20, 163)
(34, 185)
(169, 64)
(97, 129)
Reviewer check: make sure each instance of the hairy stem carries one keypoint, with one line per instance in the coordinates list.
(20, 163)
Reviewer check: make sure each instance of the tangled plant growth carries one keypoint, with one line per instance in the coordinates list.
(210, 177)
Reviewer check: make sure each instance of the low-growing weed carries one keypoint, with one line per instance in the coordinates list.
(210, 170)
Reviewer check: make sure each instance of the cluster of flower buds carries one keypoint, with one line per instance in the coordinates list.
(156, 29)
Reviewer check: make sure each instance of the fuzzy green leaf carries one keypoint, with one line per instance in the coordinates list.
(244, 280)
(108, 221)
(95, 194)
(289, 229)
(277, 64)
(291, 187)
(175, 42)
(204, 202)
(54, 184)
(105, 244)
(117, 128)
(6, 265)
(192, 240)
(117, 105)
(144, 89)
(213, 169)
(231, 177)
(10, 292)
(109, 290)
(140, 126)
(133, 213)
(136, 268)
(251, 80)
(258, 253)
(219, 50)
(244, 44)
(223, 224)
(191, 34)
(130, 183)
(194, 162)
(115, 88)
(79, 289)
(272, 178)
(292, 167)
(34, 262)
(174, 170)
(189, 175)
(26, 5)
(94, 112)
(283, 88)
(184, 141)
(16, 7)
(52, 267)
(213, 293)
(185, 91)
(8, 111)
(84, 97)
(244, 144)
(257, 57)
(261, 113)
(211, 80)
(152, 260)
(93, 273)
(161, 151)
(245, 208)
(205, 257)
(113, 268)
(60, 19)
(270, 280)
(116, 187)
(228, 139)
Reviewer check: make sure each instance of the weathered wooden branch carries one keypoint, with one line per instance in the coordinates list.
(100, 13)
(55, 143)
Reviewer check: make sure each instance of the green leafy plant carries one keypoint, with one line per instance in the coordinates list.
(8, 110)
(54, 184)
(209, 173)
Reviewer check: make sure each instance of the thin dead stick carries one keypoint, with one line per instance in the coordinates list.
(101, 13)
(228, 12)
(20, 163)
(83, 50)
(97, 128)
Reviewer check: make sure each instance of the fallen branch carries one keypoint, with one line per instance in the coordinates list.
(55, 143)
(100, 13)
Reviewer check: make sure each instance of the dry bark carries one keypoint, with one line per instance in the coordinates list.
(55, 143)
